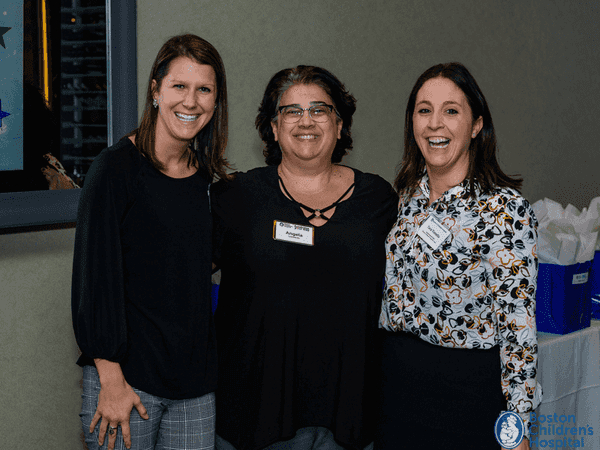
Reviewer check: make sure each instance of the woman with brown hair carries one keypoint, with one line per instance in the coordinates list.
(141, 274)
(460, 344)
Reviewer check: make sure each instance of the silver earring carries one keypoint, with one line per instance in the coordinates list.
(216, 106)
(154, 103)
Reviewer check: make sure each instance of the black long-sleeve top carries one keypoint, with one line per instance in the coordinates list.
(141, 275)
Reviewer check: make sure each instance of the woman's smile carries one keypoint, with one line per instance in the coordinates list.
(438, 142)
(187, 117)
(306, 137)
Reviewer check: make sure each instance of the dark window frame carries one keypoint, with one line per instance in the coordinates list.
(36, 210)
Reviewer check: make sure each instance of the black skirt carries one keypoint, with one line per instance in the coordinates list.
(437, 397)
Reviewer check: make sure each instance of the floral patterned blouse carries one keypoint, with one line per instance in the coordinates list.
(477, 288)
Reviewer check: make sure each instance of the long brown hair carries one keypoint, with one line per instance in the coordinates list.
(483, 165)
(209, 144)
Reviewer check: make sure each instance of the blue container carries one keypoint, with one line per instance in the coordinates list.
(595, 288)
(214, 296)
(563, 298)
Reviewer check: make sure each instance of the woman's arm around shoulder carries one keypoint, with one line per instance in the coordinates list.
(225, 204)
(381, 196)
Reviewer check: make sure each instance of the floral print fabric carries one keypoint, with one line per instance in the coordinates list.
(477, 288)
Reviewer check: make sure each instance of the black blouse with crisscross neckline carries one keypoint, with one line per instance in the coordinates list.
(315, 213)
(296, 324)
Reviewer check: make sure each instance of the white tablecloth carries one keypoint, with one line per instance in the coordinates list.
(569, 372)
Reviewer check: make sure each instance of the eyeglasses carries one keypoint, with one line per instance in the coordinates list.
(318, 113)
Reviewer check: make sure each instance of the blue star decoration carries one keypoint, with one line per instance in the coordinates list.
(3, 30)
(3, 114)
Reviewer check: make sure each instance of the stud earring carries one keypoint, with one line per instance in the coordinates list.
(154, 103)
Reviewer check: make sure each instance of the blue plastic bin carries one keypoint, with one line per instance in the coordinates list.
(563, 298)
(595, 288)
(214, 296)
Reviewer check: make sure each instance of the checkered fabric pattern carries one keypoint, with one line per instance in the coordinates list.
(173, 424)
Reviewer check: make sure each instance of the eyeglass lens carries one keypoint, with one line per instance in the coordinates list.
(319, 113)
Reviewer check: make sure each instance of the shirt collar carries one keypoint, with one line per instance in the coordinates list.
(460, 191)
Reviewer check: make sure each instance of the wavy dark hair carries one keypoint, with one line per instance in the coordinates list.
(483, 165)
(208, 146)
(343, 101)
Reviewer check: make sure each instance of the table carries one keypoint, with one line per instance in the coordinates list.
(569, 372)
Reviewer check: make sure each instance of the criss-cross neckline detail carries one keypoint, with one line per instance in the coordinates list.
(315, 213)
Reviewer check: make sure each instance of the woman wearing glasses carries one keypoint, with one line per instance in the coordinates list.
(300, 244)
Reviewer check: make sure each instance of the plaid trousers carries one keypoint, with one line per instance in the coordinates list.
(173, 424)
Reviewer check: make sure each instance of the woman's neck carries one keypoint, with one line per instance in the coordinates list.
(441, 181)
(307, 178)
(173, 155)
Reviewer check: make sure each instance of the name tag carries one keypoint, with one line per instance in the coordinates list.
(290, 232)
(433, 232)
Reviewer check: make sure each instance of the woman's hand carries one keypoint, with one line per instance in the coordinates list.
(115, 402)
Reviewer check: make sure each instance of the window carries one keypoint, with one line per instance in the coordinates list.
(76, 55)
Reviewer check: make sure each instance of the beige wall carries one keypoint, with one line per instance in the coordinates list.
(39, 382)
(535, 61)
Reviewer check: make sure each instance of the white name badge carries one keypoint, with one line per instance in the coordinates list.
(290, 232)
(433, 232)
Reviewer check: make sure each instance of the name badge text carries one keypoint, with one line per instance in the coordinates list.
(290, 232)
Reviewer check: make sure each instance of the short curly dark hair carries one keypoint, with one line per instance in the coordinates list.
(343, 101)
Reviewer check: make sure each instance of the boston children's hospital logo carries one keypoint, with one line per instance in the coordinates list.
(558, 431)
(549, 430)
(509, 429)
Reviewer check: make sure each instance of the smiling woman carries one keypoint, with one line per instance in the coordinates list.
(300, 247)
(181, 83)
(461, 275)
(142, 264)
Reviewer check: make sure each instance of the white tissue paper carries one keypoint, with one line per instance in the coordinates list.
(567, 236)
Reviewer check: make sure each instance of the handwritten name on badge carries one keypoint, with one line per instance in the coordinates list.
(290, 232)
(433, 232)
